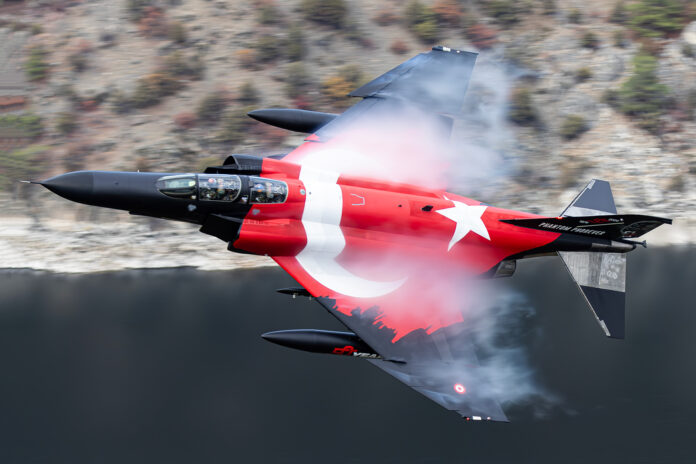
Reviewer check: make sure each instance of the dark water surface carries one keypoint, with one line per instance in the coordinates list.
(168, 366)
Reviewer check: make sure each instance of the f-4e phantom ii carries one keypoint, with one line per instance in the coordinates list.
(381, 251)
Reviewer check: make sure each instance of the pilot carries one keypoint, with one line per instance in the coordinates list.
(221, 191)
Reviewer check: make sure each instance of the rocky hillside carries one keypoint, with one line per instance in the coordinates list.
(564, 91)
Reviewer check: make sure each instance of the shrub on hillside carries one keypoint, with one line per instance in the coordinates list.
(184, 66)
(26, 125)
(176, 32)
(422, 21)
(210, 109)
(619, 14)
(267, 12)
(326, 12)
(268, 48)
(135, 8)
(448, 12)
(504, 12)
(120, 102)
(151, 89)
(589, 40)
(247, 58)
(575, 16)
(642, 96)
(153, 22)
(583, 74)
(248, 95)
(522, 111)
(399, 47)
(184, 120)
(573, 125)
(336, 88)
(235, 124)
(386, 17)
(657, 18)
(295, 49)
(297, 80)
(482, 36)
(23, 163)
(36, 66)
(549, 7)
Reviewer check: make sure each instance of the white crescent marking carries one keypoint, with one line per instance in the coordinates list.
(325, 241)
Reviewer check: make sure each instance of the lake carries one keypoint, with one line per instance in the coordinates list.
(168, 365)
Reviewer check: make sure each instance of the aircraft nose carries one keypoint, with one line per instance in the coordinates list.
(76, 186)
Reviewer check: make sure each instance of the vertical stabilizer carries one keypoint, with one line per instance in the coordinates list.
(601, 277)
(595, 200)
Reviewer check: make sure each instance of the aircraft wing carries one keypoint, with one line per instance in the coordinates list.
(433, 84)
(419, 327)
(405, 303)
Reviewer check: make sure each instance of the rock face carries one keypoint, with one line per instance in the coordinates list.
(530, 168)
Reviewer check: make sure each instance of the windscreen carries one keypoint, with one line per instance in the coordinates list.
(181, 186)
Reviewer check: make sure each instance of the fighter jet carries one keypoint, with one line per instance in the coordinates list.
(385, 251)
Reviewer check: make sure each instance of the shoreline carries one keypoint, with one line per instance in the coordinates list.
(72, 247)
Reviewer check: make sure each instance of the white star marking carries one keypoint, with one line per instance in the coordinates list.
(467, 218)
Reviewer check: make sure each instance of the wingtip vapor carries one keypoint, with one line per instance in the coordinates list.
(334, 233)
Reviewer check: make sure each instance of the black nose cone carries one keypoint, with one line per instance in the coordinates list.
(76, 186)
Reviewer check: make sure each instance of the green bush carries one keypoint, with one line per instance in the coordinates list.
(642, 96)
(268, 48)
(549, 7)
(176, 32)
(20, 164)
(234, 126)
(66, 123)
(422, 21)
(620, 39)
(120, 102)
(573, 125)
(267, 13)
(135, 8)
(619, 14)
(25, 125)
(522, 110)
(504, 12)
(211, 107)
(297, 80)
(589, 40)
(657, 18)
(583, 74)
(151, 89)
(575, 16)
(248, 95)
(326, 12)
(295, 44)
(180, 65)
(36, 67)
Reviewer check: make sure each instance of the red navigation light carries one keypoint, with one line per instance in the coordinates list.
(459, 388)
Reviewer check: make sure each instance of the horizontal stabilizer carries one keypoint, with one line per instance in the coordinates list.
(601, 278)
(612, 227)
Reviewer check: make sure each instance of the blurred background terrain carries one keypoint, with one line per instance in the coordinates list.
(592, 88)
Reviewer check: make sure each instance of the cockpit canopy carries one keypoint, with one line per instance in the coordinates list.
(224, 187)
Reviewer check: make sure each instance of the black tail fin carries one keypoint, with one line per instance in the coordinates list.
(601, 277)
